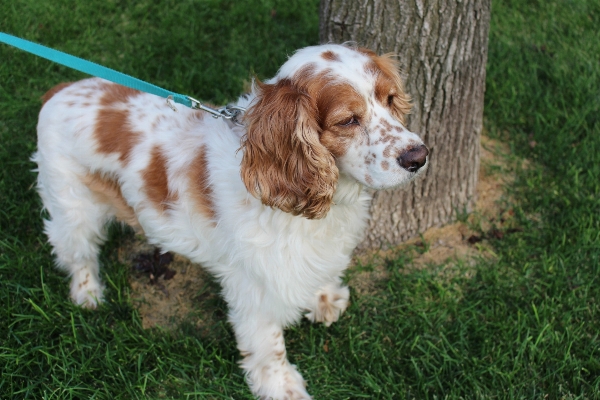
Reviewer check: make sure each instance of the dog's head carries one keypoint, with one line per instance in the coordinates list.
(330, 109)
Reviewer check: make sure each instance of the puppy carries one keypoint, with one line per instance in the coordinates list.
(272, 208)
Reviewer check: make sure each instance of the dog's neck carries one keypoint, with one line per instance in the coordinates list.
(245, 99)
(348, 191)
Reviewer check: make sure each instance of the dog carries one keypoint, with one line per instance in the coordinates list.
(272, 208)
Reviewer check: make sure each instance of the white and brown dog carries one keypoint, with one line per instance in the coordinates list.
(273, 209)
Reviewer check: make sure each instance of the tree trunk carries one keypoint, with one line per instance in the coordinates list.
(442, 48)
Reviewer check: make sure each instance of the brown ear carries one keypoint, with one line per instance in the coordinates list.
(284, 164)
(389, 67)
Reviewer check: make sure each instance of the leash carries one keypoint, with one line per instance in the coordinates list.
(230, 112)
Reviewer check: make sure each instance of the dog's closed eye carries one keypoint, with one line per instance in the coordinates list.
(351, 121)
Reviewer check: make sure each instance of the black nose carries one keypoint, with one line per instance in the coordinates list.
(413, 159)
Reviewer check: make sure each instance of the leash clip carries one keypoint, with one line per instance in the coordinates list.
(170, 101)
(230, 112)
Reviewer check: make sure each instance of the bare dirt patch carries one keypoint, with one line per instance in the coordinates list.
(166, 302)
(465, 240)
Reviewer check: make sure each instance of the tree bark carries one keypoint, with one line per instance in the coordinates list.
(442, 48)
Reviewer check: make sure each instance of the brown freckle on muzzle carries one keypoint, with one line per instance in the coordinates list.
(387, 152)
(386, 125)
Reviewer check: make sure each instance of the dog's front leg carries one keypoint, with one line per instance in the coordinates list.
(329, 303)
(268, 372)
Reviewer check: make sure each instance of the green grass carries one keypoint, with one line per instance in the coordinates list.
(524, 326)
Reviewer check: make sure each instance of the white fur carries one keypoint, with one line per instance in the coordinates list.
(273, 266)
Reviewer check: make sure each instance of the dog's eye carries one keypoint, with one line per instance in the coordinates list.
(350, 121)
(390, 100)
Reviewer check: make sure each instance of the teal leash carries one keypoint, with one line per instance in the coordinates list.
(228, 112)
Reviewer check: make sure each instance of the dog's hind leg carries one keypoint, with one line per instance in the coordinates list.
(75, 228)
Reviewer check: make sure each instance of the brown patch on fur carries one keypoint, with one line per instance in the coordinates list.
(330, 56)
(113, 131)
(388, 83)
(337, 144)
(107, 190)
(338, 103)
(200, 188)
(156, 183)
(50, 93)
(385, 165)
(116, 94)
(284, 162)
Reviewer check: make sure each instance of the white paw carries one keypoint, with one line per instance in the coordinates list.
(278, 382)
(331, 302)
(86, 290)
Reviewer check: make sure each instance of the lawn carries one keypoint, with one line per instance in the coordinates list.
(524, 324)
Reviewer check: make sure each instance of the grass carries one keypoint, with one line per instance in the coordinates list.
(523, 326)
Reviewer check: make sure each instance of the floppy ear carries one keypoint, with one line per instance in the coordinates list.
(390, 68)
(284, 163)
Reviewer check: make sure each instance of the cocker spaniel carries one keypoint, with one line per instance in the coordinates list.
(273, 208)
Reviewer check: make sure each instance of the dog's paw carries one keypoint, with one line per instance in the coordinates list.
(331, 302)
(279, 382)
(86, 290)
